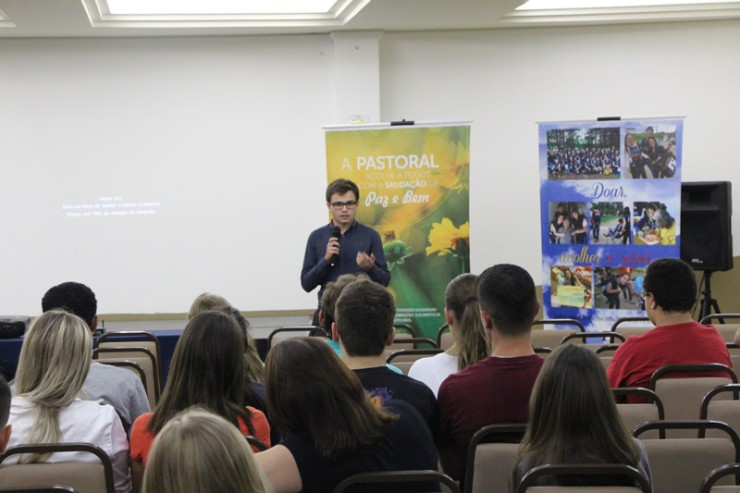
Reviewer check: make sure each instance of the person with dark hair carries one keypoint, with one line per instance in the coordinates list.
(670, 293)
(580, 227)
(496, 390)
(364, 327)
(471, 343)
(573, 419)
(116, 386)
(328, 303)
(207, 370)
(344, 246)
(332, 428)
(5, 428)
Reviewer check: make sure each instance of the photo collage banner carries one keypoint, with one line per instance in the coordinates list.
(414, 190)
(610, 198)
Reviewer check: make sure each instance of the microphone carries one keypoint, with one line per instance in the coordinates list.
(336, 233)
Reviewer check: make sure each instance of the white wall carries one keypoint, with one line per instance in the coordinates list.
(231, 130)
(507, 80)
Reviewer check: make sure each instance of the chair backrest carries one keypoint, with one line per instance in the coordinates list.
(85, 477)
(405, 329)
(282, 333)
(550, 338)
(444, 337)
(635, 414)
(716, 475)
(722, 404)
(727, 331)
(490, 460)
(679, 465)
(421, 478)
(594, 340)
(620, 326)
(559, 323)
(139, 355)
(404, 358)
(133, 338)
(682, 394)
(405, 341)
(50, 489)
(599, 472)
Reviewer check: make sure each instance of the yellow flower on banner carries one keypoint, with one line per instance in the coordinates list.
(445, 238)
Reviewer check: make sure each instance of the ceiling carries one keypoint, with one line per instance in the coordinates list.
(87, 18)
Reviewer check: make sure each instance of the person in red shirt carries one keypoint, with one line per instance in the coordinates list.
(496, 390)
(670, 293)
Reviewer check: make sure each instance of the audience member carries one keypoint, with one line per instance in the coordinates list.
(54, 362)
(5, 428)
(118, 387)
(200, 452)
(497, 389)
(573, 420)
(254, 390)
(207, 370)
(363, 324)
(210, 301)
(332, 428)
(471, 343)
(328, 302)
(670, 293)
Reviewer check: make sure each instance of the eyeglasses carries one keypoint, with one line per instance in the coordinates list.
(350, 204)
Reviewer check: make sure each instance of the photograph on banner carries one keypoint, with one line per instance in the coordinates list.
(583, 154)
(599, 221)
(650, 151)
(414, 187)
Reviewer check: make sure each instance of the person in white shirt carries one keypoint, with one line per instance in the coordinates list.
(54, 362)
(471, 343)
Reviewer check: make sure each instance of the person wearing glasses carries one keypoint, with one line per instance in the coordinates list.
(344, 246)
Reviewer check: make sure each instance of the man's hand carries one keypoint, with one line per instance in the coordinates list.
(365, 261)
(332, 248)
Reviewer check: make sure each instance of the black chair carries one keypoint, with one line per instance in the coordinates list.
(406, 328)
(134, 338)
(394, 477)
(442, 341)
(585, 336)
(599, 473)
(51, 489)
(634, 415)
(719, 473)
(560, 321)
(404, 358)
(294, 331)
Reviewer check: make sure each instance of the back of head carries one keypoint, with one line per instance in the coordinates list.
(207, 301)
(53, 365)
(573, 416)
(330, 295)
(207, 370)
(199, 452)
(672, 284)
(364, 314)
(506, 292)
(461, 298)
(73, 297)
(4, 402)
(309, 389)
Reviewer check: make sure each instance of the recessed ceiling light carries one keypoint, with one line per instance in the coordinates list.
(220, 7)
(597, 4)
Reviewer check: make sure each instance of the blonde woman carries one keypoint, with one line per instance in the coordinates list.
(200, 452)
(54, 361)
(471, 345)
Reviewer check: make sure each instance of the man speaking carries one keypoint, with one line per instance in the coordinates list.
(343, 246)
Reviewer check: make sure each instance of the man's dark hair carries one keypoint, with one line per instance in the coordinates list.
(364, 313)
(672, 283)
(73, 297)
(341, 186)
(4, 401)
(506, 292)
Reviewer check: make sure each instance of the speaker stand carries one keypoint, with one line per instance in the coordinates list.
(708, 303)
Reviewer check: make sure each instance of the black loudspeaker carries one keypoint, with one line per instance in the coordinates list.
(706, 225)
